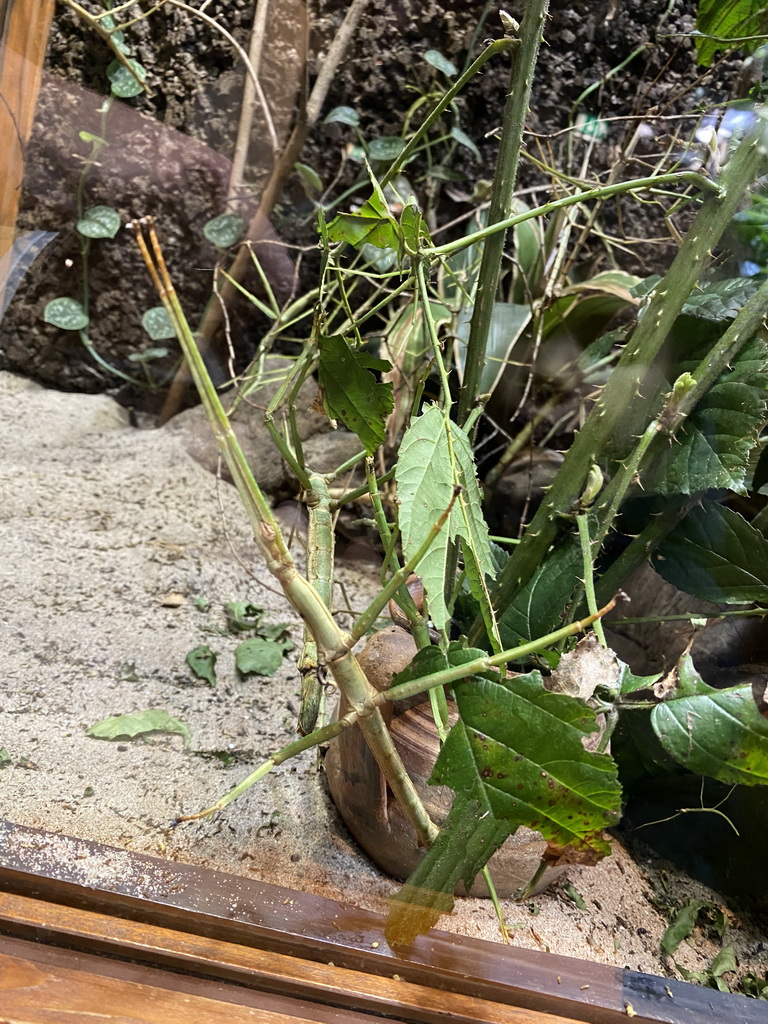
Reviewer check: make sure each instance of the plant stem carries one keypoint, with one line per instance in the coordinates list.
(320, 577)
(333, 644)
(582, 521)
(371, 706)
(620, 391)
(599, 192)
(504, 180)
(497, 46)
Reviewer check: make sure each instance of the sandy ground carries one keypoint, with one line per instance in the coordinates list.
(99, 523)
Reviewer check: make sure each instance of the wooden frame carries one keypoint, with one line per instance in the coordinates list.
(86, 928)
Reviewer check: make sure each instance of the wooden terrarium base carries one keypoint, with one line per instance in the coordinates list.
(92, 932)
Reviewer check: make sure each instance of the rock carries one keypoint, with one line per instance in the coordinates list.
(265, 461)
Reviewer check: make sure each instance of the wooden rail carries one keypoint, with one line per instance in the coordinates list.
(91, 931)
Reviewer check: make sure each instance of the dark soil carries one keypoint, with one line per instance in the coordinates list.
(176, 165)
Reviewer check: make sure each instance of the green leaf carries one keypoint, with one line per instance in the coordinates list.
(575, 896)
(464, 140)
(518, 750)
(715, 554)
(90, 137)
(258, 656)
(158, 324)
(538, 609)
(720, 300)
(128, 727)
(711, 449)
(99, 222)
(66, 313)
(242, 616)
(310, 179)
(224, 230)
(508, 324)
(350, 391)
(719, 733)
(426, 475)
(277, 631)
(463, 846)
(413, 229)
(202, 661)
(124, 84)
(5, 757)
(148, 355)
(386, 148)
(728, 19)
(683, 925)
(343, 115)
(366, 227)
(437, 60)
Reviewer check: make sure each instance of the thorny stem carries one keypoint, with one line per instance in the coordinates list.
(582, 521)
(620, 391)
(497, 46)
(504, 180)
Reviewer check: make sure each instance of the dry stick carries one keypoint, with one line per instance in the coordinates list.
(250, 95)
(259, 224)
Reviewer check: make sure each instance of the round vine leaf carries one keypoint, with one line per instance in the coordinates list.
(437, 60)
(158, 324)
(224, 230)
(123, 83)
(66, 313)
(99, 222)
(343, 115)
(386, 148)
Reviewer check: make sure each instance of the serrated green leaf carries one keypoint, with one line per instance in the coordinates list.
(66, 313)
(351, 393)
(224, 230)
(140, 723)
(202, 661)
(124, 84)
(726, 19)
(258, 656)
(158, 324)
(720, 300)
(437, 60)
(426, 476)
(343, 115)
(715, 554)
(373, 224)
(517, 750)
(99, 222)
(719, 733)
(711, 449)
(539, 607)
